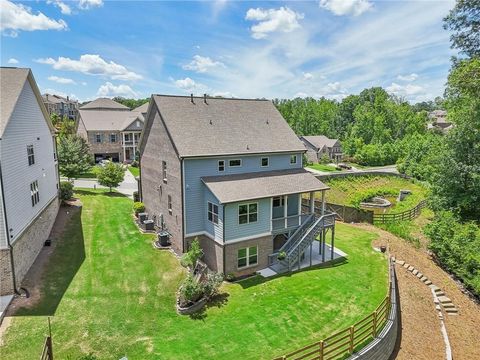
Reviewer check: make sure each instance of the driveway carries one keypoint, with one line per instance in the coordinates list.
(126, 187)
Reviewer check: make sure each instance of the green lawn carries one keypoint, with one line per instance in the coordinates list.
(91, 174)
(110, 293)
(134, 170)
(323, 167)
(353, 189)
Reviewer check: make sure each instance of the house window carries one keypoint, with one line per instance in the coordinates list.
(212, 213)
(98, 138)
(221, 165)
(247, 257)
(235, 163)
(293, 159)
(113, 138)
(31, 155)
(170, 210)
(264, 161)
(164, 171)
(278, 201)
(137, 123)
(247, 213)
(34, 194)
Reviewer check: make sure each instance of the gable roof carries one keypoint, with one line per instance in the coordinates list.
(107, 120)
(12, 81)
(104, 104)
(142, 108)
(319, 141)
(223, 126)
(56, 99)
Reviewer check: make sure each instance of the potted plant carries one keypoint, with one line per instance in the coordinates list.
(281, 255)
(138, 207)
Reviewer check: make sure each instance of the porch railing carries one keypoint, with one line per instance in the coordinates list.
(283, 224)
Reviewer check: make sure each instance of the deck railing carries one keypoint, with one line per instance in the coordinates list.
(283, 224)
(47, 352)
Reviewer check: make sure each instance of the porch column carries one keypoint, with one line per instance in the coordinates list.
(332, 243)
(323, 202)
(285, 209)
(312, 202)
(123, 146)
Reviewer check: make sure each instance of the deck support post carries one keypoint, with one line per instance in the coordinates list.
(311, 248)
(285, 210)
(323, 203)
(333, 243)
(323, 246)
(312, 202)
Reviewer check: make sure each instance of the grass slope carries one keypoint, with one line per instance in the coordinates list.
(322, 167)
(112, 294)
(134, 170)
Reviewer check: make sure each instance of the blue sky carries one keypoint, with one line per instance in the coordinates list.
(331, 48)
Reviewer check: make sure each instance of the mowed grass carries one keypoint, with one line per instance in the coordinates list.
(134, 170)
(323, 167)
(111, 294)
(348, 190)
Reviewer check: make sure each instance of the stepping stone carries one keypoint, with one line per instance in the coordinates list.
(428, 282)
(400, 262)
(424, 278)
(393, 259)
(443, 299)
(419, 275)
(448, 306)
(410, 268)
(451, 310)
(438, 307)
(439, 293)
(434, 287)
(415, 272)
(406, 265)
(435, 301)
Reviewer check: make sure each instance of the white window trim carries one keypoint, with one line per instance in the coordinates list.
(268, 161)
(218, 166)
(247, 257)
(235, 166)
(96, 138)
(248, 213)
(213, 213)
(170, 204)
(296, 159)
(164, 171)
(282, 201)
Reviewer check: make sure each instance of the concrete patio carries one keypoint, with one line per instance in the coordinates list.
(306, 262)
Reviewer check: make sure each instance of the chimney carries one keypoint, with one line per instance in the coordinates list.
(205, 98)
(68, 98)
(191, 98)
(46, 95)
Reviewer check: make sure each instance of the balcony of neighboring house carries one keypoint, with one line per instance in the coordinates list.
(130, 145)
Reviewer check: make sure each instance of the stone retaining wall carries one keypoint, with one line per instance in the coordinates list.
(382, 347)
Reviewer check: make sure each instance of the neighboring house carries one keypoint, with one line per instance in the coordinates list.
(228, 171)
(56, 104)
(111, 129)
(439, 121)
(319, 146)
(28, 176)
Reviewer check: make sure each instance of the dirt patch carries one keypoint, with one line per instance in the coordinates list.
(421, 336)
(33, 279)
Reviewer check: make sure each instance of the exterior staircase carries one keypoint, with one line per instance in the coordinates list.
(301, 239)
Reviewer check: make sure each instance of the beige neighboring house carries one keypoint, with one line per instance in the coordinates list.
(320, 145)
(111, 129)
(439, 121)
(62, 106)
(28, 176)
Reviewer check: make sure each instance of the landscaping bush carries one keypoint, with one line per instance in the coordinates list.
(66, 190)
(211, 285)
(230, 277)
(190, 291)
(136, 198)
(324, 159)
(189, 259)
(138, 207)
(134, 163)
(402, 229)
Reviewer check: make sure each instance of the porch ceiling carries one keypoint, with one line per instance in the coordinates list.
(249, 186)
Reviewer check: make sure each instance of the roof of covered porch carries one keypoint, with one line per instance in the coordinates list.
(257, 185)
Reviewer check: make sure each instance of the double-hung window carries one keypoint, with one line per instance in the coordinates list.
(247, 213)
(221, 165)
(31, 155)
(98, 138)
(293, 159)
(278, 201)
(212, 213)
(164, 171)
(235, 163)
(113, 138)
(247, 257)
(34, 194)
(264, 162)
(170, 209)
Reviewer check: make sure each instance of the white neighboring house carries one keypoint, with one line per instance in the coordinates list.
(28, 176)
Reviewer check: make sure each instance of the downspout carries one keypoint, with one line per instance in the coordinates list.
(223, 230)
(183, 205)
(8, 233)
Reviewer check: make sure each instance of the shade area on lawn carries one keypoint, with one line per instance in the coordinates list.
(111, 294)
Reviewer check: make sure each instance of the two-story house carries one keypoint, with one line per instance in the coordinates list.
(28, 176)
(228, 172)
(319, 146)
(111, 129)
(62, 106)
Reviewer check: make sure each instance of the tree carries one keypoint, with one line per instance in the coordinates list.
(73, 156)
(464, 21)
(111, 175)
(131, 103)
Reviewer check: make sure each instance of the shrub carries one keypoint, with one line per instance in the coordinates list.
(136, 198)
(190, 291)
(138, 207)
(134, 163)
(189, 259)
(66, 190)
(324, 159)
(282, 255)
(230, 277)
(211, 285)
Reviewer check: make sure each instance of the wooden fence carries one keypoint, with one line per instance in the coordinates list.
(346, 341)
(406, 215)
(47, 352)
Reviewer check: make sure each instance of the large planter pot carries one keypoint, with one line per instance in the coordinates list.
(188, 310)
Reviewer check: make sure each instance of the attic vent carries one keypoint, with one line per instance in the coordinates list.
(211, 122)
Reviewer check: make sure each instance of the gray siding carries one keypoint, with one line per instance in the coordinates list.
(215, 230)
(195, 169)
(234, 230)
(27, 126)
(3, 230)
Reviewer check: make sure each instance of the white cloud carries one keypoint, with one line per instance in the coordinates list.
(224, 94)
(61, 80)
(64, 8)
(15, 17)
(92, 65)
(407, 90)
(88, 4)
(110, 90)
(273, 20)
(307, 76)
(186, 84)
(202, 64)
(411, 77)
(334, 87)
(84, 83)
(346, 7)
(12, 61)
(300, 95)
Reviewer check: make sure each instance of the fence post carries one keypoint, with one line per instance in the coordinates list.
(374, 323)
(321, 350)
(351, 339)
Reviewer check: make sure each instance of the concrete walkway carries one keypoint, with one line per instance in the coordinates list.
(126, 187)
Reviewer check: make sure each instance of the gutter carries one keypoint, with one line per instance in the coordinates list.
(8, 234)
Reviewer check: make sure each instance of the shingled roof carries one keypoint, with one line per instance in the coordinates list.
(104, 104)
(222, 126)
(319, 141)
